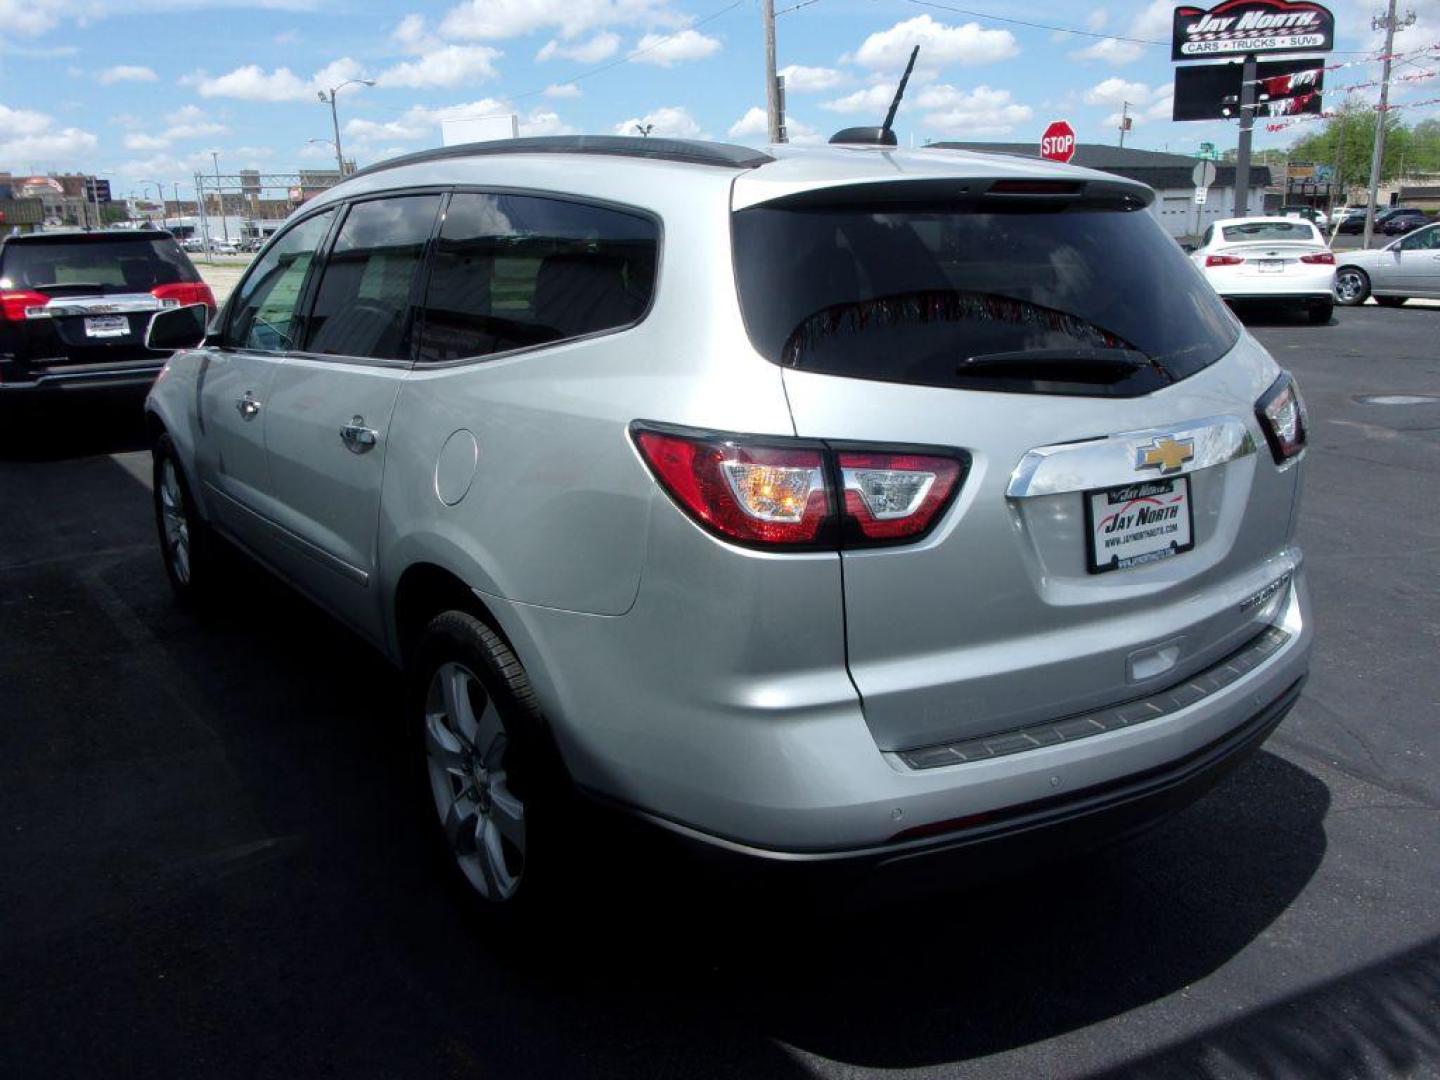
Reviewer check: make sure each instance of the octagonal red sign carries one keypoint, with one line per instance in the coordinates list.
(1058, 142)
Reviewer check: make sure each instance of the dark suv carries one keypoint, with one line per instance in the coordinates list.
(74, 307)
(1405, 220)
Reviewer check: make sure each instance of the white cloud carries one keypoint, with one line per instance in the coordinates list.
(19, 123)
(449, 65)
(251, 82)
(287, 37)
(939, 44)
(487, 19)
(423, 123)
(1115, 90)
(126, 73)
(872, 99)
(673, 121)
(562, 90)
(187, 122)
(1163, 106)
(46, 147)
(755, 124)
(1155, 22)
(28, 19)
(810, 80)
(413, 36)
(600, 47)
(668, 50)
(981, 111)
(545, 122)
(1110, 51)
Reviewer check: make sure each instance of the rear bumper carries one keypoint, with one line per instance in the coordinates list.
(97, 379)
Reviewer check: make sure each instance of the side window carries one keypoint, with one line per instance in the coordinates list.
(363, 304)
(517, 270)
(1423, 240)
(263, 316)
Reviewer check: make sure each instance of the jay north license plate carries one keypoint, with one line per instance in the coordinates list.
(1138, 524)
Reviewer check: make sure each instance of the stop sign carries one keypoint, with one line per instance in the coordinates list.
(1058, 142)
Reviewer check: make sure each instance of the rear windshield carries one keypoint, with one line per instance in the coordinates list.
(1003, 299)
(128, 264)
(1269, 230)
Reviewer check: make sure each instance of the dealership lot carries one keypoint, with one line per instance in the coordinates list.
(210, 866)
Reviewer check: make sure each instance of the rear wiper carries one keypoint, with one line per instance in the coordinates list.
(1066, 359)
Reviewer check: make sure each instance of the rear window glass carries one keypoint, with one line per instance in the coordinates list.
(118, 265)
(1269, 230)
(935, 295)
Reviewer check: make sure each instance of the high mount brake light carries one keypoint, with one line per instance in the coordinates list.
(15, 303)
(1223, 260)
(1321, 258)
(782, 493)
(1281, 412)
(183, 293)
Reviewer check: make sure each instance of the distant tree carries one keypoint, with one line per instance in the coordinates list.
(1350, 135)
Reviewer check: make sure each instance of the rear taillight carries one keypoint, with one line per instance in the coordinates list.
(777, 492)
(183, 293)
(16, 304)
(1322, 258)
(1223, 260)
(1281, 412)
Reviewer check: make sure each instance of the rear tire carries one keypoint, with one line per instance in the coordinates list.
(1352, 286)
(490, 776)
(1391, 301)
(1321, 313)
(186, 546)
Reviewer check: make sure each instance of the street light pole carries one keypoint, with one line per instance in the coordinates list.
(335, 117)
(220, 195)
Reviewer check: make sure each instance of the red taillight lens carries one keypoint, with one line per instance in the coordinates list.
(183, 293)
(1322, 258)
(1281, 412)
(775, 492)
(751, 493)
(1223, 260)
(14, 303)
(895, 497)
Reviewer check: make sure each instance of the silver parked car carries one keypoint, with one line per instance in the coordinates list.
(815, 504)
(1392, 274)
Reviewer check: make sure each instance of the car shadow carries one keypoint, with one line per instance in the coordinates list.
(1263, 314)
(262, 896)
(58, 429)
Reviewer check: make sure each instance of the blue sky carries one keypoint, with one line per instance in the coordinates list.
(145, 90)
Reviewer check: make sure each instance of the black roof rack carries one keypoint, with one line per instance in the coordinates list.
(687, 151)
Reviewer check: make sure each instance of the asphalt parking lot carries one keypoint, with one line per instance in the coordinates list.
(209, 866)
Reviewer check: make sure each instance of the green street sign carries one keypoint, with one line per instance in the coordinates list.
(1208, 152)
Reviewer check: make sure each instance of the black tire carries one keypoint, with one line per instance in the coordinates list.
(1352, 286)
(1391, 301)
(192, 573)
(1320, 314)
(480, 784)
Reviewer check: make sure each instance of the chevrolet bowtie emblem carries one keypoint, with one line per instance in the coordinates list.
(1165, 453)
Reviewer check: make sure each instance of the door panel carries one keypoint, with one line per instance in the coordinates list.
(330, 405)
(1418, 263)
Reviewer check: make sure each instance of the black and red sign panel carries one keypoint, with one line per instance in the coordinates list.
(1237, 27)
(1212, 91)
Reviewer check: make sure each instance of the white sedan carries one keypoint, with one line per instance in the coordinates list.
(1273, 259)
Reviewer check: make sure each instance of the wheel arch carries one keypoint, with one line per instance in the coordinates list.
(423, 590)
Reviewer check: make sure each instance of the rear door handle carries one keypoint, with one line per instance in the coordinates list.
(248, 405)
(357, 437)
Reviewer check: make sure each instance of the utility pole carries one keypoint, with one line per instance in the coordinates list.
(1124, 120)
(1377, 156)
(772, 88)
(220, 196)
(1248, 75)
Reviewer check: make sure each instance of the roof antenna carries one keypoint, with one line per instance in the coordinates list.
(882, 135)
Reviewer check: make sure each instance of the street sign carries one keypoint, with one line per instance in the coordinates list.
(1058, 142)
(1208, 152)
(1237, 27)
(1200, 196)
(1202, 176)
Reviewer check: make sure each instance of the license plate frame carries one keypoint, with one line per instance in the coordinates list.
(1135, 549)
(106, 326)
(1271, 266)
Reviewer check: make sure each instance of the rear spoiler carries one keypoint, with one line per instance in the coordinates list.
(1008, 191)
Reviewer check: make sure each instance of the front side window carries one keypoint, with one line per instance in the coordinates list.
(364, 303)
(512, 271)
(1424, 240)
(264, 315)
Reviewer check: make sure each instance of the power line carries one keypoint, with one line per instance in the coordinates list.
(1036, 25)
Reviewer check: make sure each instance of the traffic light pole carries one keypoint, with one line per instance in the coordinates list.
(1247, 131)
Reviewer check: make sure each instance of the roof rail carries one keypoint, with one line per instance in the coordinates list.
(687, 151)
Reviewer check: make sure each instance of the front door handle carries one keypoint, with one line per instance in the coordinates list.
(248, 405)
(357, 437)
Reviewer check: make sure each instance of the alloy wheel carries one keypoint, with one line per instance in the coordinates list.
(177, 525)
(466, 747)
(1349, 286)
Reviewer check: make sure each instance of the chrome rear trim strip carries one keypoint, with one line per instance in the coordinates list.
(1109, 462)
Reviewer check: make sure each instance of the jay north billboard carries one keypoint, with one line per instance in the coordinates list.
(1236, 27)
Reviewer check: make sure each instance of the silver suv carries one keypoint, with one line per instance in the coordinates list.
(816, 504)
